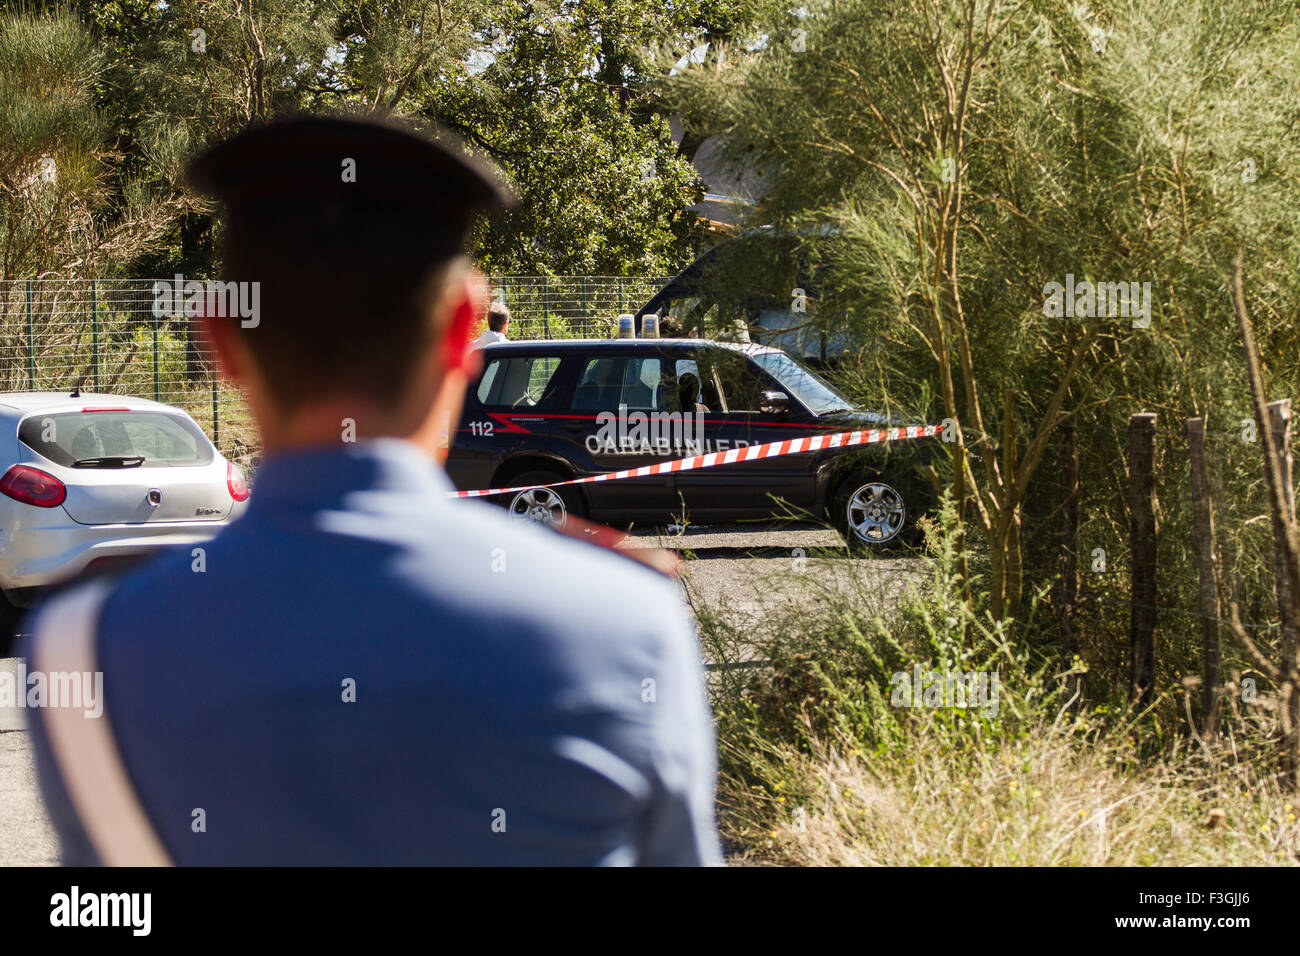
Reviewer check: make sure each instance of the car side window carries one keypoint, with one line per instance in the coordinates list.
(741, 383)
(695, 390)
(637, 381)
(519, 381)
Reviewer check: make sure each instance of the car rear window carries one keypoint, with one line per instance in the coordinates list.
(517, 382)
(161, 439)
(610, 381)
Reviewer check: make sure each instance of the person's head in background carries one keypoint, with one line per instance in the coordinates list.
(670, 327)
(368, 303)
(498, 317)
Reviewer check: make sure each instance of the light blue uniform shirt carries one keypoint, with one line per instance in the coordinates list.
(520, 697)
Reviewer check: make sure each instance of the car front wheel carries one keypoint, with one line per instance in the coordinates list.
(869, 513)
(543, 505)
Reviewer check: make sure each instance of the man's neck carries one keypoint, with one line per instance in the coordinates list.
(342, 422)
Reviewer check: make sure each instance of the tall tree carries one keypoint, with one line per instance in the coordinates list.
(66, 204)
(968, 153)
(555, 93)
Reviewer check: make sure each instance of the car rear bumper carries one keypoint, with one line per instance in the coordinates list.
(31, 559)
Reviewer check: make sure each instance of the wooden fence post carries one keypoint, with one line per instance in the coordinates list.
(1069, 555)
(1279, 424)
(1286, 536)
(1203, 552)
(1142, 536)
(959, 511)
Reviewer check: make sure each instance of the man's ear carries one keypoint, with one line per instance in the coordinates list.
(468, 303)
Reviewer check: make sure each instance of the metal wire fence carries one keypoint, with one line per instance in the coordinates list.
(104, 336)
(567, 307)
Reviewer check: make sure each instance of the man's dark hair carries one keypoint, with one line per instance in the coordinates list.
(497, 317)
(670, 328)
(349, 311)
(353, 228)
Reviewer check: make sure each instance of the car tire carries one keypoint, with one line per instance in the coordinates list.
(523, 506)
(10, 619)
(872, 514)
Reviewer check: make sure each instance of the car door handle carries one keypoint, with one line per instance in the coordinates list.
(571, 426)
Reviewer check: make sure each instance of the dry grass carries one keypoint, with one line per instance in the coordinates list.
(820, 766)
(1041, 800)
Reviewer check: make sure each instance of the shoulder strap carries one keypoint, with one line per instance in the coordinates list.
(84, 749)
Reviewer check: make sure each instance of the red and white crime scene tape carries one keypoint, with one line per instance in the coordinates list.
(792, 446)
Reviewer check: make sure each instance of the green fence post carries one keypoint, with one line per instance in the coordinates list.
(31, 342)
(94, 333)
(155, 356)
(546, 306)
(216, 413)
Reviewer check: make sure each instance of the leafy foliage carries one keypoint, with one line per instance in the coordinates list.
(556, 92)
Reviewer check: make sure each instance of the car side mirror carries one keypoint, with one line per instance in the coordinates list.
(774, 403)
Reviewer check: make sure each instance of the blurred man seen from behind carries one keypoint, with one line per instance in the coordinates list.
(365, 670)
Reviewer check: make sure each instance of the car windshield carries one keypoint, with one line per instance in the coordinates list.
(802, 383)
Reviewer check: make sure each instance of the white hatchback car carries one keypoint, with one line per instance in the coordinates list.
(93, 480)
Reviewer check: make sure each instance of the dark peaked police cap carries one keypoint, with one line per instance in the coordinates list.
(296, 167)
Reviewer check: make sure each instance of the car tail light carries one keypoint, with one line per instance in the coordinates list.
(235, 482)
(33, 487)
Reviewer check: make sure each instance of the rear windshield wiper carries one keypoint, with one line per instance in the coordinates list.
(110, 461)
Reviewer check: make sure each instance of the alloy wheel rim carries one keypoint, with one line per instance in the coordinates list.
(540, 506)
(876, 513)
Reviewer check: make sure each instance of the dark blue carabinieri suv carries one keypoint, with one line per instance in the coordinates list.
(546, 411)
